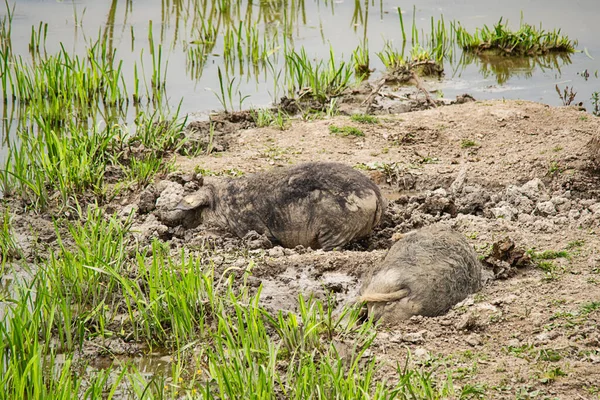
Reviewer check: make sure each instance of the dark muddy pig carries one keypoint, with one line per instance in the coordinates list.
(317, 205)
(425, 273)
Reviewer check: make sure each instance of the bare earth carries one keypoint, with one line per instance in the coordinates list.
(535, 333)
(491, 170)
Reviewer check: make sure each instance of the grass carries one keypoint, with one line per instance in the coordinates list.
(320, 81)
(364, 119)
(264, 117)
(528, 40)
(346, 131)
(9, 248)
(361, 60)
(97, 285)
(467, 143)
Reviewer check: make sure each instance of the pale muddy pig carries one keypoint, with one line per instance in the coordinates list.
(317, 204)
(425, 273)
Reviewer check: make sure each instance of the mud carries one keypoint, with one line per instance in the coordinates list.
(510, 176)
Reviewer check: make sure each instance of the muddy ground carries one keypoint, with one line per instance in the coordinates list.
(491, 170)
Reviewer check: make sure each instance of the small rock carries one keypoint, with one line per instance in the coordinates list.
(396, 338)
(467, 322)
(147, 201)
(533, 189)
(415, 337)
(276, 252)
(504, 300)
(255, 241)
(546, 208)
(473, 340)
(545, 337)
(543, 225)
(422, 354)
(574, 214)
(525, 218)
(595, 208)
(513, 342)
(504, 210)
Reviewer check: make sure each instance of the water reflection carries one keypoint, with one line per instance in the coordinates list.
(503, 68)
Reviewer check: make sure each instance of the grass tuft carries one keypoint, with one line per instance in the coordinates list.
(527, 41)
(346, 131)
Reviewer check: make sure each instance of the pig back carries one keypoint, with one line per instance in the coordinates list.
(318, 205)
(437, 266)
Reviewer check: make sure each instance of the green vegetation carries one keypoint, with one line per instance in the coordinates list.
(361, 59)
(94, 287)
(267, 117)
(527, 41)
(467, 143)
(346, 131)
(319, 81)
(548, 254)
(364, 119)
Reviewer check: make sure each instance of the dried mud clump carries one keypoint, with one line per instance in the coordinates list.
(216, 134)
(505, 257)
(425, 273)
(316, 205)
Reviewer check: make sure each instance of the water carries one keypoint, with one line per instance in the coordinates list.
(318, 25)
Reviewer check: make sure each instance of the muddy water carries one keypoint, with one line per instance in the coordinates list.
(317, 25)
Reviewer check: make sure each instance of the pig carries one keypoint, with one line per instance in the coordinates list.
(322, 205)
(425, 273)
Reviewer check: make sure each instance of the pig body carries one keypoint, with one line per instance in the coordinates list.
(317, 205)
(425, 273)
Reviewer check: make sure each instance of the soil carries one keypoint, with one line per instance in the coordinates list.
(500, 172)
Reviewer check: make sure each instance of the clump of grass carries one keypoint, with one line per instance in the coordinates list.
(590, 307)
(9, 248)
(549, 254)
(346, 131)
(390, 57)
(467, 143)
(361, 60)
(266, 117)
(527, 41)
(550, 375)
(319, 81)
(364, 119)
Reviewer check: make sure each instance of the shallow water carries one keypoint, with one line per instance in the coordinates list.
(316, 25)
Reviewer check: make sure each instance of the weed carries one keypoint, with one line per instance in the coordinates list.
(596, 103)
(9, 248)
(266, 117)
(226, 92)
(364, 119)
(554, 168)
(318, 81)
(548, 254)
(549, 355)
(391, 58)
(528, 40)
(590, 307)
(551, 375)
(346, 131)
(467, 143)
(360, 57)
(567, 96)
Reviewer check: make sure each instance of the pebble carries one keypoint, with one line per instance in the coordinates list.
(276, 252)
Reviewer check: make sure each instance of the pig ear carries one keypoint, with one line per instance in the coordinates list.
(193, 201)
